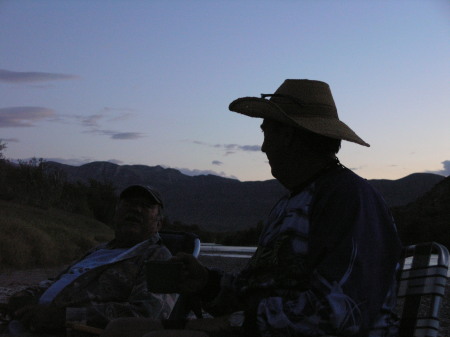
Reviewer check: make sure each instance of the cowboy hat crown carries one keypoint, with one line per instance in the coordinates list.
(301, 103)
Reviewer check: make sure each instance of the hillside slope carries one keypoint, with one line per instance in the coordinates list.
(405, 190)
(32, 237)
(221, 204)
(427, 218)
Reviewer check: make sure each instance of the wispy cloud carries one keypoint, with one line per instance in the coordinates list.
(105, 115)
(445, 171)
(32, 76)
(27, 116)
(23, 116)
(10, 140)
(230, 148)
(216, 162)
(117, 135)
(236, 147)
(127, 135)
(93, 123)
(121, 113)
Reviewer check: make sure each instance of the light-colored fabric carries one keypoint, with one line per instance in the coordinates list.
(98, 258)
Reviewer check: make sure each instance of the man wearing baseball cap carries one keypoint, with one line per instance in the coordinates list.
(109, 281)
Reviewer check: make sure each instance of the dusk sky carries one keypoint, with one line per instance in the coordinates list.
(149, 82)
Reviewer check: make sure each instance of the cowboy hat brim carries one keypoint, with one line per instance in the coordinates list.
(315, 122)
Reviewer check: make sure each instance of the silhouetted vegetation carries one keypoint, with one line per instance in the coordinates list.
(32, 183)
(48, 220)
(37, 227)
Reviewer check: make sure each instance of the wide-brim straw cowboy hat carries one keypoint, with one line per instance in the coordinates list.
(302, 103)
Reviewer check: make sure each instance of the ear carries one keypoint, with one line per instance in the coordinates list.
(159, 225)
(288, 136)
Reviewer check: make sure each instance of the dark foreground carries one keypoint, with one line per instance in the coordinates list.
(11, 281)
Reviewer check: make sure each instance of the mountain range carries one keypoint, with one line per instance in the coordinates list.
(222, 204)
(427, 218)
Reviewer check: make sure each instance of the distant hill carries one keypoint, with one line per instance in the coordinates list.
(212, 202)
(222, 204)
(428, 217)
(405, 190)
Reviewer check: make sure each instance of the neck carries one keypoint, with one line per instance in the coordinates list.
(301, 174)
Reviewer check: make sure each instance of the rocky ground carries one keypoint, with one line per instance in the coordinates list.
(11, 281)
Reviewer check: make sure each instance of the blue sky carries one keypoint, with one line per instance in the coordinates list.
(149, 82)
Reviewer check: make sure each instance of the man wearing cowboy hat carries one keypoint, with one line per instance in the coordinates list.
(326, 259)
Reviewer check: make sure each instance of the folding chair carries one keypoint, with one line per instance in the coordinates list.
(422, 281)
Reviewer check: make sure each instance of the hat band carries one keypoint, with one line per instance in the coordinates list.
(309, 110)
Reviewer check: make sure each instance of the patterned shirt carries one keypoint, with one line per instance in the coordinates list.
(325, 263)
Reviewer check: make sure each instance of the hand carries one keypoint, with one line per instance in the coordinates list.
(193, 275)
(19, 300)
(45, 318)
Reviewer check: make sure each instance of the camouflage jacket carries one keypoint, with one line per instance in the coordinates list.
(114, 290)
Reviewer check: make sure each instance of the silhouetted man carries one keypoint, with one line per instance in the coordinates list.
(326, 259)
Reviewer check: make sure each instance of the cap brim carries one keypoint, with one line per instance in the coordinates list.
(141, 189)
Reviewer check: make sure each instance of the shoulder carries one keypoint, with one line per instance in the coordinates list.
(346, 184)
(155, 249)
(343, 192)
(163, 252)
(149, 249)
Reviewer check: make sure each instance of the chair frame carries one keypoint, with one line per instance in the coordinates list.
(421, 287)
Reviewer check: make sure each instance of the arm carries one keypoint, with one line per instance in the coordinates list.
(210, 289)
